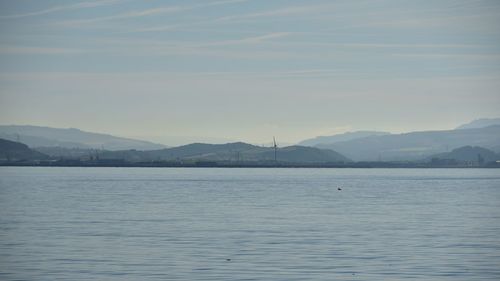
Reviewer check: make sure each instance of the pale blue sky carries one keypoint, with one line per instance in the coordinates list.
(214, 70)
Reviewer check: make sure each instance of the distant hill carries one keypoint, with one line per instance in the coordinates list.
(229, 152)
(303, 154)
(415, 145)
(15, 151)
(66, 153)
(201, 150)
(469, 154)
(35, 136)
(480, 123)
(341, 137)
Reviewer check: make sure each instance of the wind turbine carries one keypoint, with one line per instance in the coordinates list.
(275, 146)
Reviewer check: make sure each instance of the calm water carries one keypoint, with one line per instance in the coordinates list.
(273, 224)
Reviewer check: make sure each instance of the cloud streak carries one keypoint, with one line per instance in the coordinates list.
(23, 50)
(144, 13)
(247, 40)
(77, 6)
(287, 11)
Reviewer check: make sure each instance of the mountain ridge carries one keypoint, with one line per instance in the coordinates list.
(15, 151)
(468, 154)
(341, 137)
(415, 145)
(238, 151)
(479, 123)
(41, 136)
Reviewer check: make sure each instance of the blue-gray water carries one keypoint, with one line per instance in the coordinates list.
(273, 224)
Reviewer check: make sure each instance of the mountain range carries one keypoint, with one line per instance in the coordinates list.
(412, 146)
(239, 151)
(415, 145)
(480, 123)
(36, 136)
(355, 146)
(341, 137)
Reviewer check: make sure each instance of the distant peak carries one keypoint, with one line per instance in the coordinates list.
(347, 136)
(480, 123)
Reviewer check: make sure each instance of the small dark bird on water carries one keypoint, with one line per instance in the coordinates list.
(339, 188)
(228, 259)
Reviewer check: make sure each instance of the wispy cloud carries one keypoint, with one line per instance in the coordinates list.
(158, 28)
(77, 6)
(23, 50)
(141, 47)
(470, 20)
(378, 45)
(134, 14)
(451, 56)
(287, 11)
(247, 40)
(145, 13)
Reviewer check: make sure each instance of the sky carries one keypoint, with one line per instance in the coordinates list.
(176, 72)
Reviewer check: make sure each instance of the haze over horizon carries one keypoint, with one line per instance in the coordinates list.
(239, 70)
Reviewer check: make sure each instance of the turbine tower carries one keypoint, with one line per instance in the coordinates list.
(275, 146)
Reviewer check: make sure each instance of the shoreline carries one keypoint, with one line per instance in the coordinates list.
(359, 165)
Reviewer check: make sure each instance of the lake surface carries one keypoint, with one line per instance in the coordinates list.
(249, 224)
